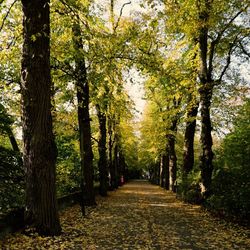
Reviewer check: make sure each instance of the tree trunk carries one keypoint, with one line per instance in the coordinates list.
(110, 151)
(82, 87)
(166, 162)
(39, 146)
(172, 162)
(116, 161)
(188, 155)
(206, 90)
(15, 146)
(13, 140)
(156, 173)
(171, 139)
(206, 157)
(102, 163)
(163, 170)
(122, 164)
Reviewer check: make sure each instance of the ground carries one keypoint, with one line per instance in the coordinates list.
(137, 216)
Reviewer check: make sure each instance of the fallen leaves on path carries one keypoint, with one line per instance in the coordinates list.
(137, 216)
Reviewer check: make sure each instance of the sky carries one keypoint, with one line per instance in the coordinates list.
(135, 87)
(135, 90)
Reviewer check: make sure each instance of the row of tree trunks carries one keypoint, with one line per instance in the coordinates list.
(205, 91)
(40, 150)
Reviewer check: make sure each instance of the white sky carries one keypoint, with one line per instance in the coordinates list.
(134, 87)
(135, 90)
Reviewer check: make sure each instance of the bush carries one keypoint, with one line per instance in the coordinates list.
(11, 181)
(231, 192)
(231, 186)
(189, 188)
(68, 166)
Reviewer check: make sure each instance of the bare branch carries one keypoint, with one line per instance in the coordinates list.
(7, 14)
(216, 41)
(64, 67)
(120, 15)
(230, 51)
(244, 50)
(220, 34)
(94, 139)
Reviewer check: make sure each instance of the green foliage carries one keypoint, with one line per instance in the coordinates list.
(11, 181)
(68, 165)
(11, 171)
(231, 185)
(189, 189)
(5, 120)
(68, 159)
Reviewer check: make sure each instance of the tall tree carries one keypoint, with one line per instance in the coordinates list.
(82, 87)
(39, 146)
(171, 137)
(188, 154)
(102, 163)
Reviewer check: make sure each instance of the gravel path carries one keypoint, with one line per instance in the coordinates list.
(138, 216)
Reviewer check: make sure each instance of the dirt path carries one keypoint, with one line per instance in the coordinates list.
(138, 216)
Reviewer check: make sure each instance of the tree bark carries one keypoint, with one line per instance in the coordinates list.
(171, 138)
(110, 153)
(206, 90)
(206, 157)
(102, 163)
(188, 155)
(39, 146)
(13, 141)
(155, 178)
(166, 162)
(116, 162)
(122, 164)
(82, 88)
(172, 158)
(163, 170)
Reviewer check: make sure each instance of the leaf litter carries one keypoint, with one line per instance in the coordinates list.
(136, 216)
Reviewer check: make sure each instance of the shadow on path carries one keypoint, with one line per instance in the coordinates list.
(138, 216)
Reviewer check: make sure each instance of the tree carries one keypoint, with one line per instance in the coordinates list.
(82, 88)
(39, 146)
(102, 163)
(188, 154)
(231, 177)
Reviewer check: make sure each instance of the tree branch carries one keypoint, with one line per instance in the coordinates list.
(244, 50)
(220, 34)
(120, 15)
(216, 41)
(8, 12)
(94, 139)
(66, 68)
(230, 51)
(74, 11)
